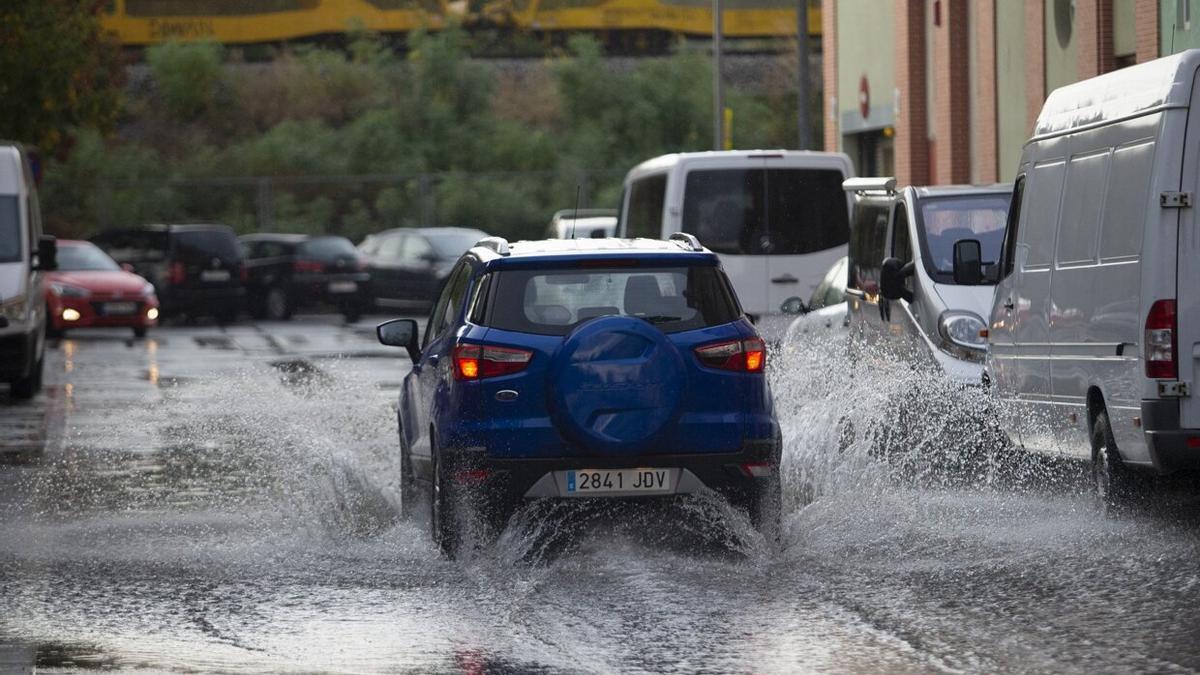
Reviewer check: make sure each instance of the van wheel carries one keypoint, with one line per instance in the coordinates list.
(279, 308)
(1116, 484)
(443, 514)
(26, 387)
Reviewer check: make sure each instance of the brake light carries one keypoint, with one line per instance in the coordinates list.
(177, 273)
(1160, 341)
(307, 266)
(475, 362)
(748, 356)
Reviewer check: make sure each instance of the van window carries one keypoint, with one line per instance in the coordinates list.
(766, 211)
(1010, 229)
(10, 229)
(645, 211)
(1125, 209)
(868, 244)
(1079, 229)
(1038, 228)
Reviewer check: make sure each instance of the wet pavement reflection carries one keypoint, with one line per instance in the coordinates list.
(227, 499)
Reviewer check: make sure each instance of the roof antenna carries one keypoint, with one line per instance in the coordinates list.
(575, 215)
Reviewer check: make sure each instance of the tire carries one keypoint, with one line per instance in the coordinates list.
(766, 509)
(24, 388)
(352, 313)
(278, 305)
(1116, 485)
(139, 332)
(444, 525)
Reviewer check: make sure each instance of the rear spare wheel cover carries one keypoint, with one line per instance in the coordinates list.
(615, 385)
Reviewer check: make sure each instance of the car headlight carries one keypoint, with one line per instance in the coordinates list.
(14, 310)
(961, 329)
(69, 291)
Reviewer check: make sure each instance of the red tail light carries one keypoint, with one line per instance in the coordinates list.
(307, 266)
(747, 356)
(475, 362)
(1160, 345)
(177, 274)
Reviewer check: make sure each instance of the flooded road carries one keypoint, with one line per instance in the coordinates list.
(227, 499)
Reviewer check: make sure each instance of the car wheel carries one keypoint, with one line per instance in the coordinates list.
(443, 516)
(766, 509)
(139, 332)
(279, 308)
(1116, 485)
(26, 387)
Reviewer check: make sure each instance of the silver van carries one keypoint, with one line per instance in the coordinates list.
(903, 290)
(1094, 336)
(24, 255)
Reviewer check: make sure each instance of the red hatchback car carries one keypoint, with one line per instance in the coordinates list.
(90, 289)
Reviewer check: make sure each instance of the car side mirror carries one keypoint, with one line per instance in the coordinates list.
(47, 254)
(892, 274)
(793, 305)
(400, 333)
(127, 267)
(968, 262)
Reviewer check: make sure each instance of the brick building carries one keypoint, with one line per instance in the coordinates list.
(946, 91)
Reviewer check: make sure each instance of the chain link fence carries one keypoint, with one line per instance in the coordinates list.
(512, 204)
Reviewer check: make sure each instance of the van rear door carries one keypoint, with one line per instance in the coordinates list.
(1187, 293)
(807, 227)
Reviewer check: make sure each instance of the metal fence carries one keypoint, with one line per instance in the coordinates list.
(515, 204)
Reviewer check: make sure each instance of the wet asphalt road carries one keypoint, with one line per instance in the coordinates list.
(226, 500)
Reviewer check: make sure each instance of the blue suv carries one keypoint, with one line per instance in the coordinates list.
(584, 368)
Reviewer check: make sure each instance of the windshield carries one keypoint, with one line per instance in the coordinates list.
(551, 302)
(84, 257)
(945, 220)
(450, 245)
(10, 229)
(199, 246)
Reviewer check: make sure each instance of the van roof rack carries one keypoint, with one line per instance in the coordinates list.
(872, 184)
(689, 241)
(497, 244)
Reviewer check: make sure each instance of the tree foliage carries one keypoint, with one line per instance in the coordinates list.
(57, 72)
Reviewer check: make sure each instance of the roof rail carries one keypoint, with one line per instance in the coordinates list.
(497, 244)
(879, 184)
(688, 240)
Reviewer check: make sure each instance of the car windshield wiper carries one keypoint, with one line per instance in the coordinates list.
(659, 318)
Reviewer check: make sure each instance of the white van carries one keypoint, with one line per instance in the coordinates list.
(24, 255)
(1094, 336)
(778, 219)
(904, 292)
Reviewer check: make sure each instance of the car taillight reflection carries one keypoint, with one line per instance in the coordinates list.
(177, 273)
(475, 362)
(747, 356)
(307, 266)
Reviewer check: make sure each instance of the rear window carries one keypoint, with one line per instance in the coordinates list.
(766, 211)
(643, 214)
(133, 246)
(204, 245)
(328, 248)
(552, 302)
(10, 229)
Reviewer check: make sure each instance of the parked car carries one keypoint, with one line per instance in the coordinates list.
(904, 293)
(285, 272)
(25, 256)
(408, 266)
(1094, 334)
(778, 219)
(91, 289)
(826, 309)
(195, 269)
(565, 370)
(582, 224)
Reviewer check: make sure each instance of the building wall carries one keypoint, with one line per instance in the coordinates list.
(1180, 32)
(869, 54)
(1062, 43)
(1012, 127)
(1124, 28)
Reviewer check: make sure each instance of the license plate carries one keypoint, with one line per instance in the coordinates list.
(583, 482)
(214, 275)
(342, 287)
(120, 307)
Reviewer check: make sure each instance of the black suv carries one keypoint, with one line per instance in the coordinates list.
(195, 269)
(288, 271)
(409, 265)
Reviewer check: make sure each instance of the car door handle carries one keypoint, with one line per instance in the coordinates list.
(785, 279)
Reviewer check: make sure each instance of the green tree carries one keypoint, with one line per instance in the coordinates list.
(57, 72)
(187, 74)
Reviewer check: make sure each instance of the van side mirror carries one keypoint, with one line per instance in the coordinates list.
(892, 274)
(400, 333)
(968, 262)
(793, 305)
(47, 254)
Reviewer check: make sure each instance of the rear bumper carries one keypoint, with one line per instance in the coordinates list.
(1171, 448)
(210, 299)
(509, 481)
(333, 289)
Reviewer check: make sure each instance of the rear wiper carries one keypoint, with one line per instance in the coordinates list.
(659, 318)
